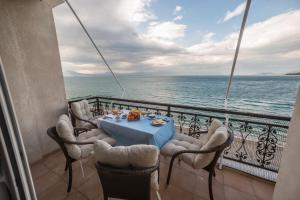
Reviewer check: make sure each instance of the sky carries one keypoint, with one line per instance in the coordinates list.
(179, 37)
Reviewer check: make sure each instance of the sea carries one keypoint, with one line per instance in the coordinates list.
(274, 95)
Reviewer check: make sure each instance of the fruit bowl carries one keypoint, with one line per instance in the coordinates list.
(134, 115)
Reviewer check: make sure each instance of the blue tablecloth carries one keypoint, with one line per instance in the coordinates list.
(138, 132)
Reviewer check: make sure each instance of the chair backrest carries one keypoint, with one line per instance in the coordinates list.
(125, 183)
(81, 109)
(126, 172)
(218, 141)
(65, 131)
(52, 133)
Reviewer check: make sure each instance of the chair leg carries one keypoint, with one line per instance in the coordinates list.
(170, 170)
(210, 185)
(214, 172)
(70, 177)
(158, 174)
(66, 167)
(105, 196)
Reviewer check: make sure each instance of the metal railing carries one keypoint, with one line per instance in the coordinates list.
(259, 138)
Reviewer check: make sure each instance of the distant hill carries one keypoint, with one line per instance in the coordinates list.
(293, 73)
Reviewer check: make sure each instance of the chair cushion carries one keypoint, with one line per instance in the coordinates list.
(87, 124)
(92, 136)
(215, 124)
(182, 142)
(65, 130)
(139, 156)
(217, 138)
(82, 110)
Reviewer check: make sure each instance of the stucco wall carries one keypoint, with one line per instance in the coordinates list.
(30, 55)
(288, 181)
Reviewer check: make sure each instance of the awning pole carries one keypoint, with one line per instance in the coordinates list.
(97, 49)
(237, 49)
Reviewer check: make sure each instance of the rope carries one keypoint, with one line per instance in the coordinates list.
(238, 46)
(233, 68)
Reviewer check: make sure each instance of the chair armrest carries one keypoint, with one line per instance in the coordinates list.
(84, 120)
(97, 112)
(206, 131)
(197, 152)
(75, 142)
(81, 129)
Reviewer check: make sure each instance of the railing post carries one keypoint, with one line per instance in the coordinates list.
(97, 105)
(169, 111)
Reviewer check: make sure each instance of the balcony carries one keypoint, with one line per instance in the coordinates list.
(250, 164)
(259, 139)
(51, 182)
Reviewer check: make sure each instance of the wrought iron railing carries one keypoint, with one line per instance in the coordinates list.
(259, 138)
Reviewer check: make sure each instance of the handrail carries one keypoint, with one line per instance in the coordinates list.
(208, 109)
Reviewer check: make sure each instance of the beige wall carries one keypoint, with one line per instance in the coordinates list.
(29, 51)
(288, 181)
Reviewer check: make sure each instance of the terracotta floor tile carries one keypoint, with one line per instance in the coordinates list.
(185, 180)
(58, 191)
(50, 182)
(238, 181)
(54, 160)
(44, 182)
(78, 179)
(175, 193)
(219, 175)
(202, 188)
(233, 194)
(91, 188)
(263, 190)
(38, 169)
(76, 196)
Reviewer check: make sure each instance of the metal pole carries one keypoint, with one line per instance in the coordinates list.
(238, 46)
(97, 49)
(233, 67)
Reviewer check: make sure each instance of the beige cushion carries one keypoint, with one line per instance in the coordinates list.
(65, 130)
(88, 125)
(217, 135)
(139, 156)
(212, 128)
(217, 138)
(82, 110)
(182, 142)
(93, 136)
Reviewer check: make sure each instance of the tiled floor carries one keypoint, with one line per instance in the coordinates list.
(51, 182)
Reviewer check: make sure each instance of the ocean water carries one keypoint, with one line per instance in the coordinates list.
(261, 94)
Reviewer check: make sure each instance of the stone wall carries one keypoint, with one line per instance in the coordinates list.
(288, 181)
(30, 55)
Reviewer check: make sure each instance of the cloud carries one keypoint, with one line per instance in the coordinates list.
(236, 12)
(165, 30)
(177, 9)
(208, 36)
(177, 18)
(269, 45)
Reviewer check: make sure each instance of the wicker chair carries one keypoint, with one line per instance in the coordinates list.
(199, 154)
(82, 115)
(125, 183)
(128, 172)
(75, 149)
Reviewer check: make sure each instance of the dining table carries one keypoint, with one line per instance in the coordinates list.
(140, 131)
